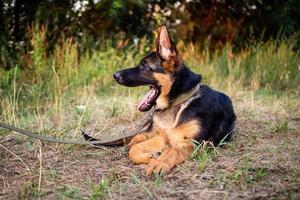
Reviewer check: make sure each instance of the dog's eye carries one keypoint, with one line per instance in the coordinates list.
(145, 67)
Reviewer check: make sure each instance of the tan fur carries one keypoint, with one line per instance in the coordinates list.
(144, 151)
(183, 133)
(166, 161)
(142, 137)
(169, 65)
(165, 119)
(169, 118)
(165, 81)
(181, 147)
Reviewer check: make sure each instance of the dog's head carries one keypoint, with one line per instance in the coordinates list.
(163, 70)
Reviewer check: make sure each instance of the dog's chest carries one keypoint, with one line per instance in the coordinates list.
(166, 119)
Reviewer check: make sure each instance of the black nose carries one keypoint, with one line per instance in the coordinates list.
(117, 76)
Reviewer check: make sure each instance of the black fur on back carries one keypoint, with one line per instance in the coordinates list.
(215, 113)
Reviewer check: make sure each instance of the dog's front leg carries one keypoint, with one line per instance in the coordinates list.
(144, 151)
(180, 140)
(169, 159)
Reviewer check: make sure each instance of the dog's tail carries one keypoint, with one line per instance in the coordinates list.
(120, 141)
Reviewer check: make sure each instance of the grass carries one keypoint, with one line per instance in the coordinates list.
(204, 153)
(61, 92)
(100, 190)
(69, 192)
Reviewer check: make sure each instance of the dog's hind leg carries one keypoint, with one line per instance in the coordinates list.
(144, 151)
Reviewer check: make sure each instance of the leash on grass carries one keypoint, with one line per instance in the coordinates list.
(119, 141)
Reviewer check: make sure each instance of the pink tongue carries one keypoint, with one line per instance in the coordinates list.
(145, 102)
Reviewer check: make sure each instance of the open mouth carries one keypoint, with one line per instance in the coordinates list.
(149, 99)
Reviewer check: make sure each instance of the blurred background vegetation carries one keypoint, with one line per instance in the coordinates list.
(51, 49)
(90, 23)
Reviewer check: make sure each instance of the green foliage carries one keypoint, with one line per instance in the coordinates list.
(280, 126)
(158, 178)
(30, 191)
(263, 65)
(248, 173)
(203, 154)
(69, 192)
(53, 174)
(100, 190)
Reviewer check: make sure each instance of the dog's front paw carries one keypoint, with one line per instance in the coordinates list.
(137, 139)
(157, 166)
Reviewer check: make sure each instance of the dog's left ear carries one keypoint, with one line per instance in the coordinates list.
(167, 51)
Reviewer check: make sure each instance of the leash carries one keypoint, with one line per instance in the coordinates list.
(90, 141)
(125, 139)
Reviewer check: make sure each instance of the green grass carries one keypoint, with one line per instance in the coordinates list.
(30, 190)
(280, 126)
(204, 154)
(53, 79)
(100, 190)
(69, 192)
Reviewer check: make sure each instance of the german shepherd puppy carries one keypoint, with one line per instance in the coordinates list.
(184, 110)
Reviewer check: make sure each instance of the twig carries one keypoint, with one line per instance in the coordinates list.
(40, 175)
(241, 158)
(16, 157)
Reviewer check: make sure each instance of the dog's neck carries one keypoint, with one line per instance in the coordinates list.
(181, 98)
(184, 81)
(185, 84)
(185, 96)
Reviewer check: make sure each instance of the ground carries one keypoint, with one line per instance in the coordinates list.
(261, 162)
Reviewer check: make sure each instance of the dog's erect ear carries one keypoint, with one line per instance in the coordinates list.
(165, 46)
(167, 50)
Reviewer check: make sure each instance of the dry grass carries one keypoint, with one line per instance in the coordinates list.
(262, 161)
